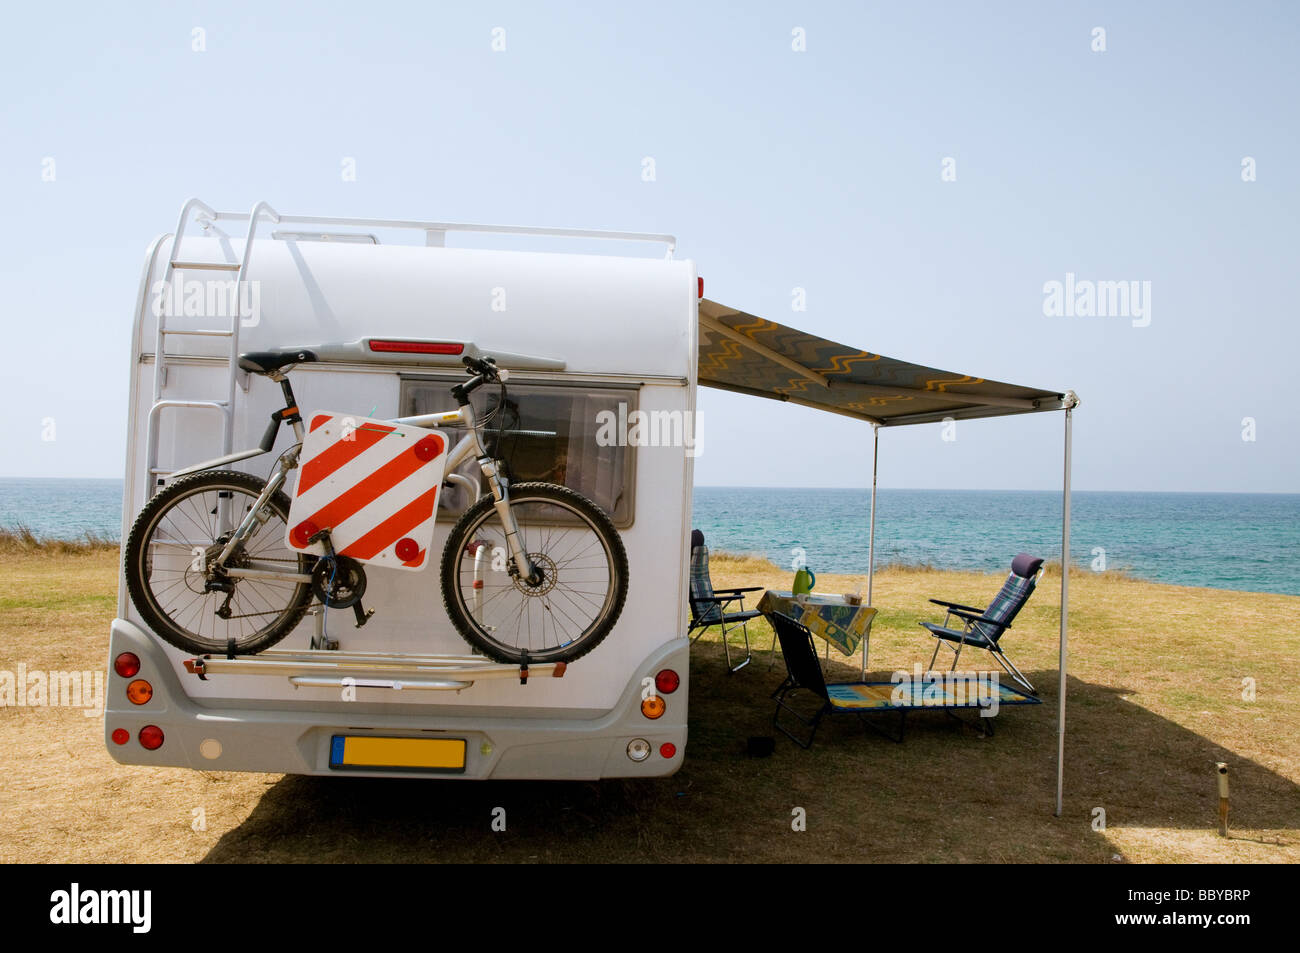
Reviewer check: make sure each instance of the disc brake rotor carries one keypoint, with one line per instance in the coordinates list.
(546, 566)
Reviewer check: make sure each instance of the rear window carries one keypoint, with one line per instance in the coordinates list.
(547, 432)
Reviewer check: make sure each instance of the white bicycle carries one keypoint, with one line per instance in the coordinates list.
(208, 568)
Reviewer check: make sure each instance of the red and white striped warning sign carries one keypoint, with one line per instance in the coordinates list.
(372, 484)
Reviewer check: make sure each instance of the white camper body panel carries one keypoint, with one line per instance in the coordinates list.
(615, 322)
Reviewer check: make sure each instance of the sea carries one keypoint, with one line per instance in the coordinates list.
(1242, 541)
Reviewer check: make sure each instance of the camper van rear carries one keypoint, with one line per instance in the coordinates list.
(592, 343)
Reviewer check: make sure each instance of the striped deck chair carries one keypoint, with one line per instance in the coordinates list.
(708, 605)
(983, 628)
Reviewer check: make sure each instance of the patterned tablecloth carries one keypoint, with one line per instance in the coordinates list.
(827, 617)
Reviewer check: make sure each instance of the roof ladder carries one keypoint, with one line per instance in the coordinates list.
(206, 215)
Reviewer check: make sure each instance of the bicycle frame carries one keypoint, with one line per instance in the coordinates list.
(467, 446)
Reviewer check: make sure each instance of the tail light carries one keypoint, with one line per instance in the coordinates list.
(667, 681)
(668, 749)
(127, 665)
(151, 737)
(121, 736)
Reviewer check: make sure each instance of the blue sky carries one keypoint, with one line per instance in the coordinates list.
(776, 169)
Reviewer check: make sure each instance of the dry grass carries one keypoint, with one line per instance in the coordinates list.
(21, 540)
(1155, 700)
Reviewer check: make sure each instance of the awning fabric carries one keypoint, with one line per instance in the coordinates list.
(751, 355)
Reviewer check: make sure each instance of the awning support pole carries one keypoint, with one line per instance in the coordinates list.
(1065, 611)
(871, 544)
(871, 538)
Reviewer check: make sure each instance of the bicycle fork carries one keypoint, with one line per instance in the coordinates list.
(501, 503)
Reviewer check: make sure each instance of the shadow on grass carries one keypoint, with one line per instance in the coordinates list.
(946, 794)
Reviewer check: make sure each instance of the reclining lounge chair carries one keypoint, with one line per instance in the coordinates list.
(983, 628)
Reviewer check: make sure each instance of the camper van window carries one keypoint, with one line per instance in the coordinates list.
(548, 433)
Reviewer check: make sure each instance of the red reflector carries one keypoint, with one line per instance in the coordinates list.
(426, 448)
(127, 665)
(406, 549)
(667, 681)
(668, 749)
(151, 737)
(417, 347)
(121, 736)
(701, 285)
(303, 532)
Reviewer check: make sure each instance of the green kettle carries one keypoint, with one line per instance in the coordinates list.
(804, 580)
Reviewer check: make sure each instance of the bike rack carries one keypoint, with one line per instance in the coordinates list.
(390, 670)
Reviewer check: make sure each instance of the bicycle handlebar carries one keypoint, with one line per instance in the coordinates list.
(478, 366)
(484, 370)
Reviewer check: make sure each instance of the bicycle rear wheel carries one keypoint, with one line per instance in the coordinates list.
(572, 603)
(174, 585)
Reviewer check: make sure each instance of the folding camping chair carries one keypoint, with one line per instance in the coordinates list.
(983, 628)
(803, 671)
(708, 604)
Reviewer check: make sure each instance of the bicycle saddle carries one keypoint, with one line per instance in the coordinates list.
(263, 362)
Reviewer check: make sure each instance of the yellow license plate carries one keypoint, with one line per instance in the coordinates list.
(370, 752)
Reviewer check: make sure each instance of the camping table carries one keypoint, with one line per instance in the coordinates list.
(827, 617)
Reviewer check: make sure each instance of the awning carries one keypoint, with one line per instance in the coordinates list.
(751, 355)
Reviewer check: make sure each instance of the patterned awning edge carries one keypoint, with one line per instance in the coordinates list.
(750, 355)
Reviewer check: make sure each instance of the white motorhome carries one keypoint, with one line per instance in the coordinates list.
(584, 336)
(593, 343)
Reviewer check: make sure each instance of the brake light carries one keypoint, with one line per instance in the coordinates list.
(127, 665)
(667, 681)
(653, 707)
(151, 737)
(139, 692)
(701, 286)
(417, 347)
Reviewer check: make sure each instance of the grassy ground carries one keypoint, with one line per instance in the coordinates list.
(1155, 699)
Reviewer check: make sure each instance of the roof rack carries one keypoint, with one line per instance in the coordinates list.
(435, 232)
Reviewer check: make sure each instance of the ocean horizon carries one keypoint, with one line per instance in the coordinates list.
(1239, 541)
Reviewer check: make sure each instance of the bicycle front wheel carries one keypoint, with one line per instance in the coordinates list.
(575, 595)
(190, 602)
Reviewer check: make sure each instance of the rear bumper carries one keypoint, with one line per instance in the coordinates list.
(499, 743)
